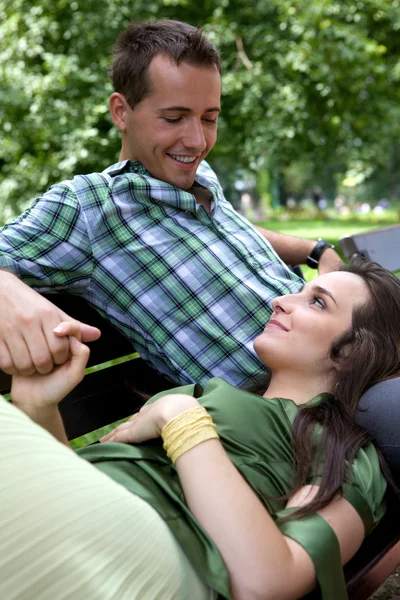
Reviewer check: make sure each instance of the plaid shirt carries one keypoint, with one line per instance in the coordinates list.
(190, 290)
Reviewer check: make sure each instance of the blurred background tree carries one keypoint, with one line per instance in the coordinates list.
(311, 92)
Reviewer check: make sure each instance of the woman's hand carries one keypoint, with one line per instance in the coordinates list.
(44, 391)
(148, 423)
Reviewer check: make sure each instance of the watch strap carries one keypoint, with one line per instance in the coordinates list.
(317, 251)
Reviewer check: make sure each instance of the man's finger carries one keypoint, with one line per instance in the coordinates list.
(40, 351)
(6, 361)
(19, 351)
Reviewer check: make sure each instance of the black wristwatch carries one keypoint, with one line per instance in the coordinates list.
(317, 252)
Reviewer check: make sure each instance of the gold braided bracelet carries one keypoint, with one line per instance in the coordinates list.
(187, 430)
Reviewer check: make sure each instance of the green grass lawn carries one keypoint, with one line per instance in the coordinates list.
(330, 230)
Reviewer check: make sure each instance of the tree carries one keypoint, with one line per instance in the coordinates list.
(309, 78)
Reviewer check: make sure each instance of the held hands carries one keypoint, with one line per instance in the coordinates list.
(148, 423)
(28, 343)
(41, 392)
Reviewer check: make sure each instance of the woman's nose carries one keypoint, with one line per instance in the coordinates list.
(277, 305)
(282, 304)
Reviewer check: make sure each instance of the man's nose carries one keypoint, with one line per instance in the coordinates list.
(194, 136)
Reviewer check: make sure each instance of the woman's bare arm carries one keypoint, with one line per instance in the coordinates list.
(261, 561)
(38, 396)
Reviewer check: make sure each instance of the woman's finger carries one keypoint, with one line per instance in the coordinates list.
(79, 355)
(126, 426)
(68, 328)
(119, 436)
(122, 427)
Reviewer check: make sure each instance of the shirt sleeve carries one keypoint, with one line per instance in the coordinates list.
(320, 542)
(192, 389)
(48, 245)
(365, 490)
(364, 487)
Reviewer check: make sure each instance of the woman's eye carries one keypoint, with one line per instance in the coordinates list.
(318, 302)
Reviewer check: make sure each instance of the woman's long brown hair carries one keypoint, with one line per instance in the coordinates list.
(367, 353)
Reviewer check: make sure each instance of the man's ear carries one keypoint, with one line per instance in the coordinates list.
(119, 109)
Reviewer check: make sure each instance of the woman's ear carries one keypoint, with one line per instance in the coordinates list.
(119, 109)
(343, 360)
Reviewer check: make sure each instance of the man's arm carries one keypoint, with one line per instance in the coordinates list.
(294, 251)
(47, 248)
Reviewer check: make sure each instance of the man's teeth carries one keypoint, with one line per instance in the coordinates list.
(184, 159)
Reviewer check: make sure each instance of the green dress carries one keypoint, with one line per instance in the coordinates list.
(256, 434)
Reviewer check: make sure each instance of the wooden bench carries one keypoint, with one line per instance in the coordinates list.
(110, 394)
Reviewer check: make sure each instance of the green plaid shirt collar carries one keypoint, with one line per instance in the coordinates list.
(165, 192)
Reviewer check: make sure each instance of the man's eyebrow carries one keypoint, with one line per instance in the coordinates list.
(320, 290)
(185, 109)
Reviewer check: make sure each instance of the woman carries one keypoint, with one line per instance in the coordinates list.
(282, 497)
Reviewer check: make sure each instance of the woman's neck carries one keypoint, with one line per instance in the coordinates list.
(299, 387)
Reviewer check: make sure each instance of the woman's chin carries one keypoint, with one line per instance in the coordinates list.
(265, 356)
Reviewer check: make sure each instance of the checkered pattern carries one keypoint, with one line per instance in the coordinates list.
(191, 291)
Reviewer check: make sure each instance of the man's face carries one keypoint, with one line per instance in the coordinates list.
(174, 128)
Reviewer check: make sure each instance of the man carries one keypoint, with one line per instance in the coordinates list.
(151, 242)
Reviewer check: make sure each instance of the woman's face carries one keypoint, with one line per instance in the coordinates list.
(303, 326)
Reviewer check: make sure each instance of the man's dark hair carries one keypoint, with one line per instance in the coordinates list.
(141, 42)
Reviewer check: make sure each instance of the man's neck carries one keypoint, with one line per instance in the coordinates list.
(203, 196)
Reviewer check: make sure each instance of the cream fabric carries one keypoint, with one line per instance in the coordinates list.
(68, 532)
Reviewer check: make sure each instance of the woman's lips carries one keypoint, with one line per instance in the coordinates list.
(277, 324)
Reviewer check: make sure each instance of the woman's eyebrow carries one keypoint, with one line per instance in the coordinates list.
(320, 290)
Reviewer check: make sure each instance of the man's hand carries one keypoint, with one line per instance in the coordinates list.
(329, 261)
(28, 342)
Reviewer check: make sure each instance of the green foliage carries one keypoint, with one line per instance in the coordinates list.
(310, 78)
